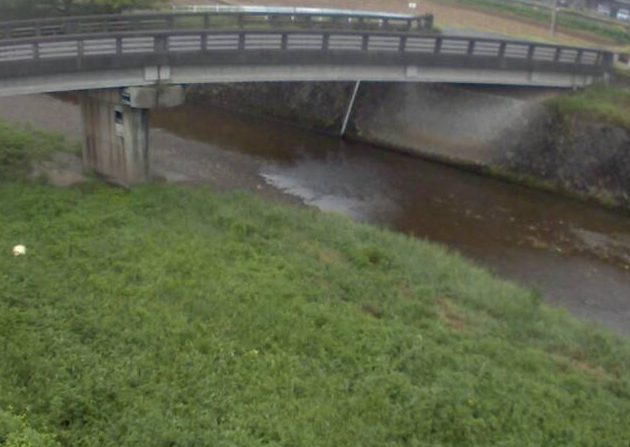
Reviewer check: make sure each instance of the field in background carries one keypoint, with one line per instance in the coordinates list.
(568, 21)
(449, 14)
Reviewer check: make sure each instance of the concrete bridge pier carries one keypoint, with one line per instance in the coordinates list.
(116, 130)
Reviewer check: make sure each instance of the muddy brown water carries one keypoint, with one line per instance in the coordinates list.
(576, 254)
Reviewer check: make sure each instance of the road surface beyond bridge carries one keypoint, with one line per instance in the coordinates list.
(165, 51)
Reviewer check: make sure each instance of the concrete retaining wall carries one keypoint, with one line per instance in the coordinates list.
(506, 131)
(468, 126)
(314, 105)
(588, 159)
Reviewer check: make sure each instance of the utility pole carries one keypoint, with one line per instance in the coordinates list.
(554, 18)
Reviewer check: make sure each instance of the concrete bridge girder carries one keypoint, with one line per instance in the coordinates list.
(153, 76)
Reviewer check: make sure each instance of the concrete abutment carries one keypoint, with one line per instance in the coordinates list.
(116, 130)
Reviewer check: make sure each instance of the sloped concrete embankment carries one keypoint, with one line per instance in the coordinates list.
(501, 131)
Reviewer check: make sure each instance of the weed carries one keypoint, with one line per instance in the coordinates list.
(175, 316)
(601, 103)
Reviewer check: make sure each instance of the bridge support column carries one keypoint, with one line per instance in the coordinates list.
(116, 130)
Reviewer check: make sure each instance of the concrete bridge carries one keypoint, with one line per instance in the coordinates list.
(148, 58)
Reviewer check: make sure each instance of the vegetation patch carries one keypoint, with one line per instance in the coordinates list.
(171, 316)
(602, 103)
(568, 20)
(21, 147)
(26, 9)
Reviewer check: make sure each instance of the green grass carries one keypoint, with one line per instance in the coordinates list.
(601, 103)
(22, 146)
(567, 20)
(171, 316)
(622, 75)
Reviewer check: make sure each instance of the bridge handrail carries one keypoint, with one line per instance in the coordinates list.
(80, 48)
(176, 20)
(472, 41)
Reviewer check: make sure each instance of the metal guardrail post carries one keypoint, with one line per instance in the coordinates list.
(80, 52)
(284, 45)
(160, 48)
(437, 49)
(204, 42)
(35, 49)
(402, 44)
(119, 46)
(365, 41)
(556, 55)
(530, 51)
(471, 47)
(326, 42)
(241, 41)
(501, 54)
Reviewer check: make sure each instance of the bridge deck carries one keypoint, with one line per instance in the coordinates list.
(84, 60)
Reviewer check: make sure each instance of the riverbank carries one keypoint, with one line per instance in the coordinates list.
(577, 145)
(570, 143)
(576, 254)
(177, 315)
(604, 104)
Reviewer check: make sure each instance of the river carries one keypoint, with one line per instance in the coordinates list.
(577, 255)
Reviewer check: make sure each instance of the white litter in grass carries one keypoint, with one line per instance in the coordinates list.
(19, 250)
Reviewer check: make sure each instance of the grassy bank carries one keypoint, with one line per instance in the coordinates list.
(567, 20)
(599, 103)
(20, 147)
(176, 316)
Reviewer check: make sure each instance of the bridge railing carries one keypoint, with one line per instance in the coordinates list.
(78, 48)
(243, 18)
